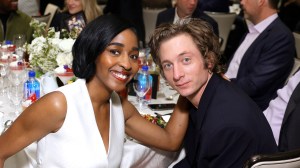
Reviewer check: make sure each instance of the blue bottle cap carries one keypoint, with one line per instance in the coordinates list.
(144, 68)
(31, 73)
(7, 42)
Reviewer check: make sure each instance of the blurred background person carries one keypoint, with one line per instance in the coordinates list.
(289, 13)
(30, 7)
(265, 58)
(157, 4)
(185, 9)
(90, 8)
(283, 115)
(214, 5)
(131, 10)
(11, 19)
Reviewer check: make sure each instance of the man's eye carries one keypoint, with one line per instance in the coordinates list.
(186, 60)
(167, 66)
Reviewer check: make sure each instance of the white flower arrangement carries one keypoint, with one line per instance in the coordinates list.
(47, 51)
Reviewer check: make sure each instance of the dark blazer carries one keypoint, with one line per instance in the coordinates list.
(267, 63)
(214, 5)
(226, 129)
(289, 138)
(58, 21)
(167, 16)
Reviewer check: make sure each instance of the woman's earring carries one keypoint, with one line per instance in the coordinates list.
(209, 71)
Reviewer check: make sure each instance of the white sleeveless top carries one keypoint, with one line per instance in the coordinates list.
(78, 143)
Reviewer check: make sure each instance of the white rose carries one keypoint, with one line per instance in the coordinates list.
(66, 45)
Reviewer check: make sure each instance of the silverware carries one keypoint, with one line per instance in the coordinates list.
(171, 97)
(162, 114)
(7, 124)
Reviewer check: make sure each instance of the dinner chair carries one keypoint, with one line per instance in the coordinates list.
(43, 18)
(297, 59)
(297, 43)
(150, 16)
(289, 159)
(225, 22)
(52, 9)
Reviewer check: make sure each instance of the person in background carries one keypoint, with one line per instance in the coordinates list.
(263, 61)
(131, 10)
(214, 5)
(30, 7)
(289, 13)
(11, 19)
(185, 9)
(83, 124)
(90, 8)
(157, 4)
(225, 126)
(283, 114)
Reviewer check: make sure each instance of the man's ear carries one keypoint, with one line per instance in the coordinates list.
(209, 61)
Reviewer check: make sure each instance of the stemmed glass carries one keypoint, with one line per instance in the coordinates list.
(19, 40)
(17, 72)
(15, 95)
(141, 85)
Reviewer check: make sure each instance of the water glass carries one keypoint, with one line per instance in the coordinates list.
(19, 41)
(141, 85)
(15, 95)
(17, 73)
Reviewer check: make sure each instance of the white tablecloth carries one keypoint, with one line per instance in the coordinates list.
(135, 154)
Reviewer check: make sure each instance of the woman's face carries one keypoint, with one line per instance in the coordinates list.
(118, 63)
(74, 6)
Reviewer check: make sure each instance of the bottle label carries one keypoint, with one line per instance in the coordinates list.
(148, 95)
(31, 90)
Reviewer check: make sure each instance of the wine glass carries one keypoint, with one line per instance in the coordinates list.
(15, 95)
(141, 85)
(19, 40)
(17, 73)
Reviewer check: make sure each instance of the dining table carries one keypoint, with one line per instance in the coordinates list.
(135, 154)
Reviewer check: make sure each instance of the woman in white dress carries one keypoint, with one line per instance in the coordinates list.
(82, 124)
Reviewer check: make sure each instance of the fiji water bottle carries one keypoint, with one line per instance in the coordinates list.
(147, 97)
(31, 87)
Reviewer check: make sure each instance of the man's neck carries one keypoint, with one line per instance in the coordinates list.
(181, 15)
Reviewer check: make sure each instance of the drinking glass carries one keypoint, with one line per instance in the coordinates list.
(19, 40)
(3, 73)
(141, 85)
(17, 73)
(15, 95)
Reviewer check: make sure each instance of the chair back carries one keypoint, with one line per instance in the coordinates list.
(289, 159)
(150, 16)
(225, 22)
(297, 43)
(297, 59)
(52, 9)
(43, 18)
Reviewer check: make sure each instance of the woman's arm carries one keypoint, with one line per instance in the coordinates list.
(44, 116)
(170, 138)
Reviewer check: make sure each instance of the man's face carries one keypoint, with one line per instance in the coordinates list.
(186, 7)
(183, 66)
(251, 10)
(8, 5)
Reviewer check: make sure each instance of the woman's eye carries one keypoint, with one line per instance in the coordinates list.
(134, 56)
(115, 52)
